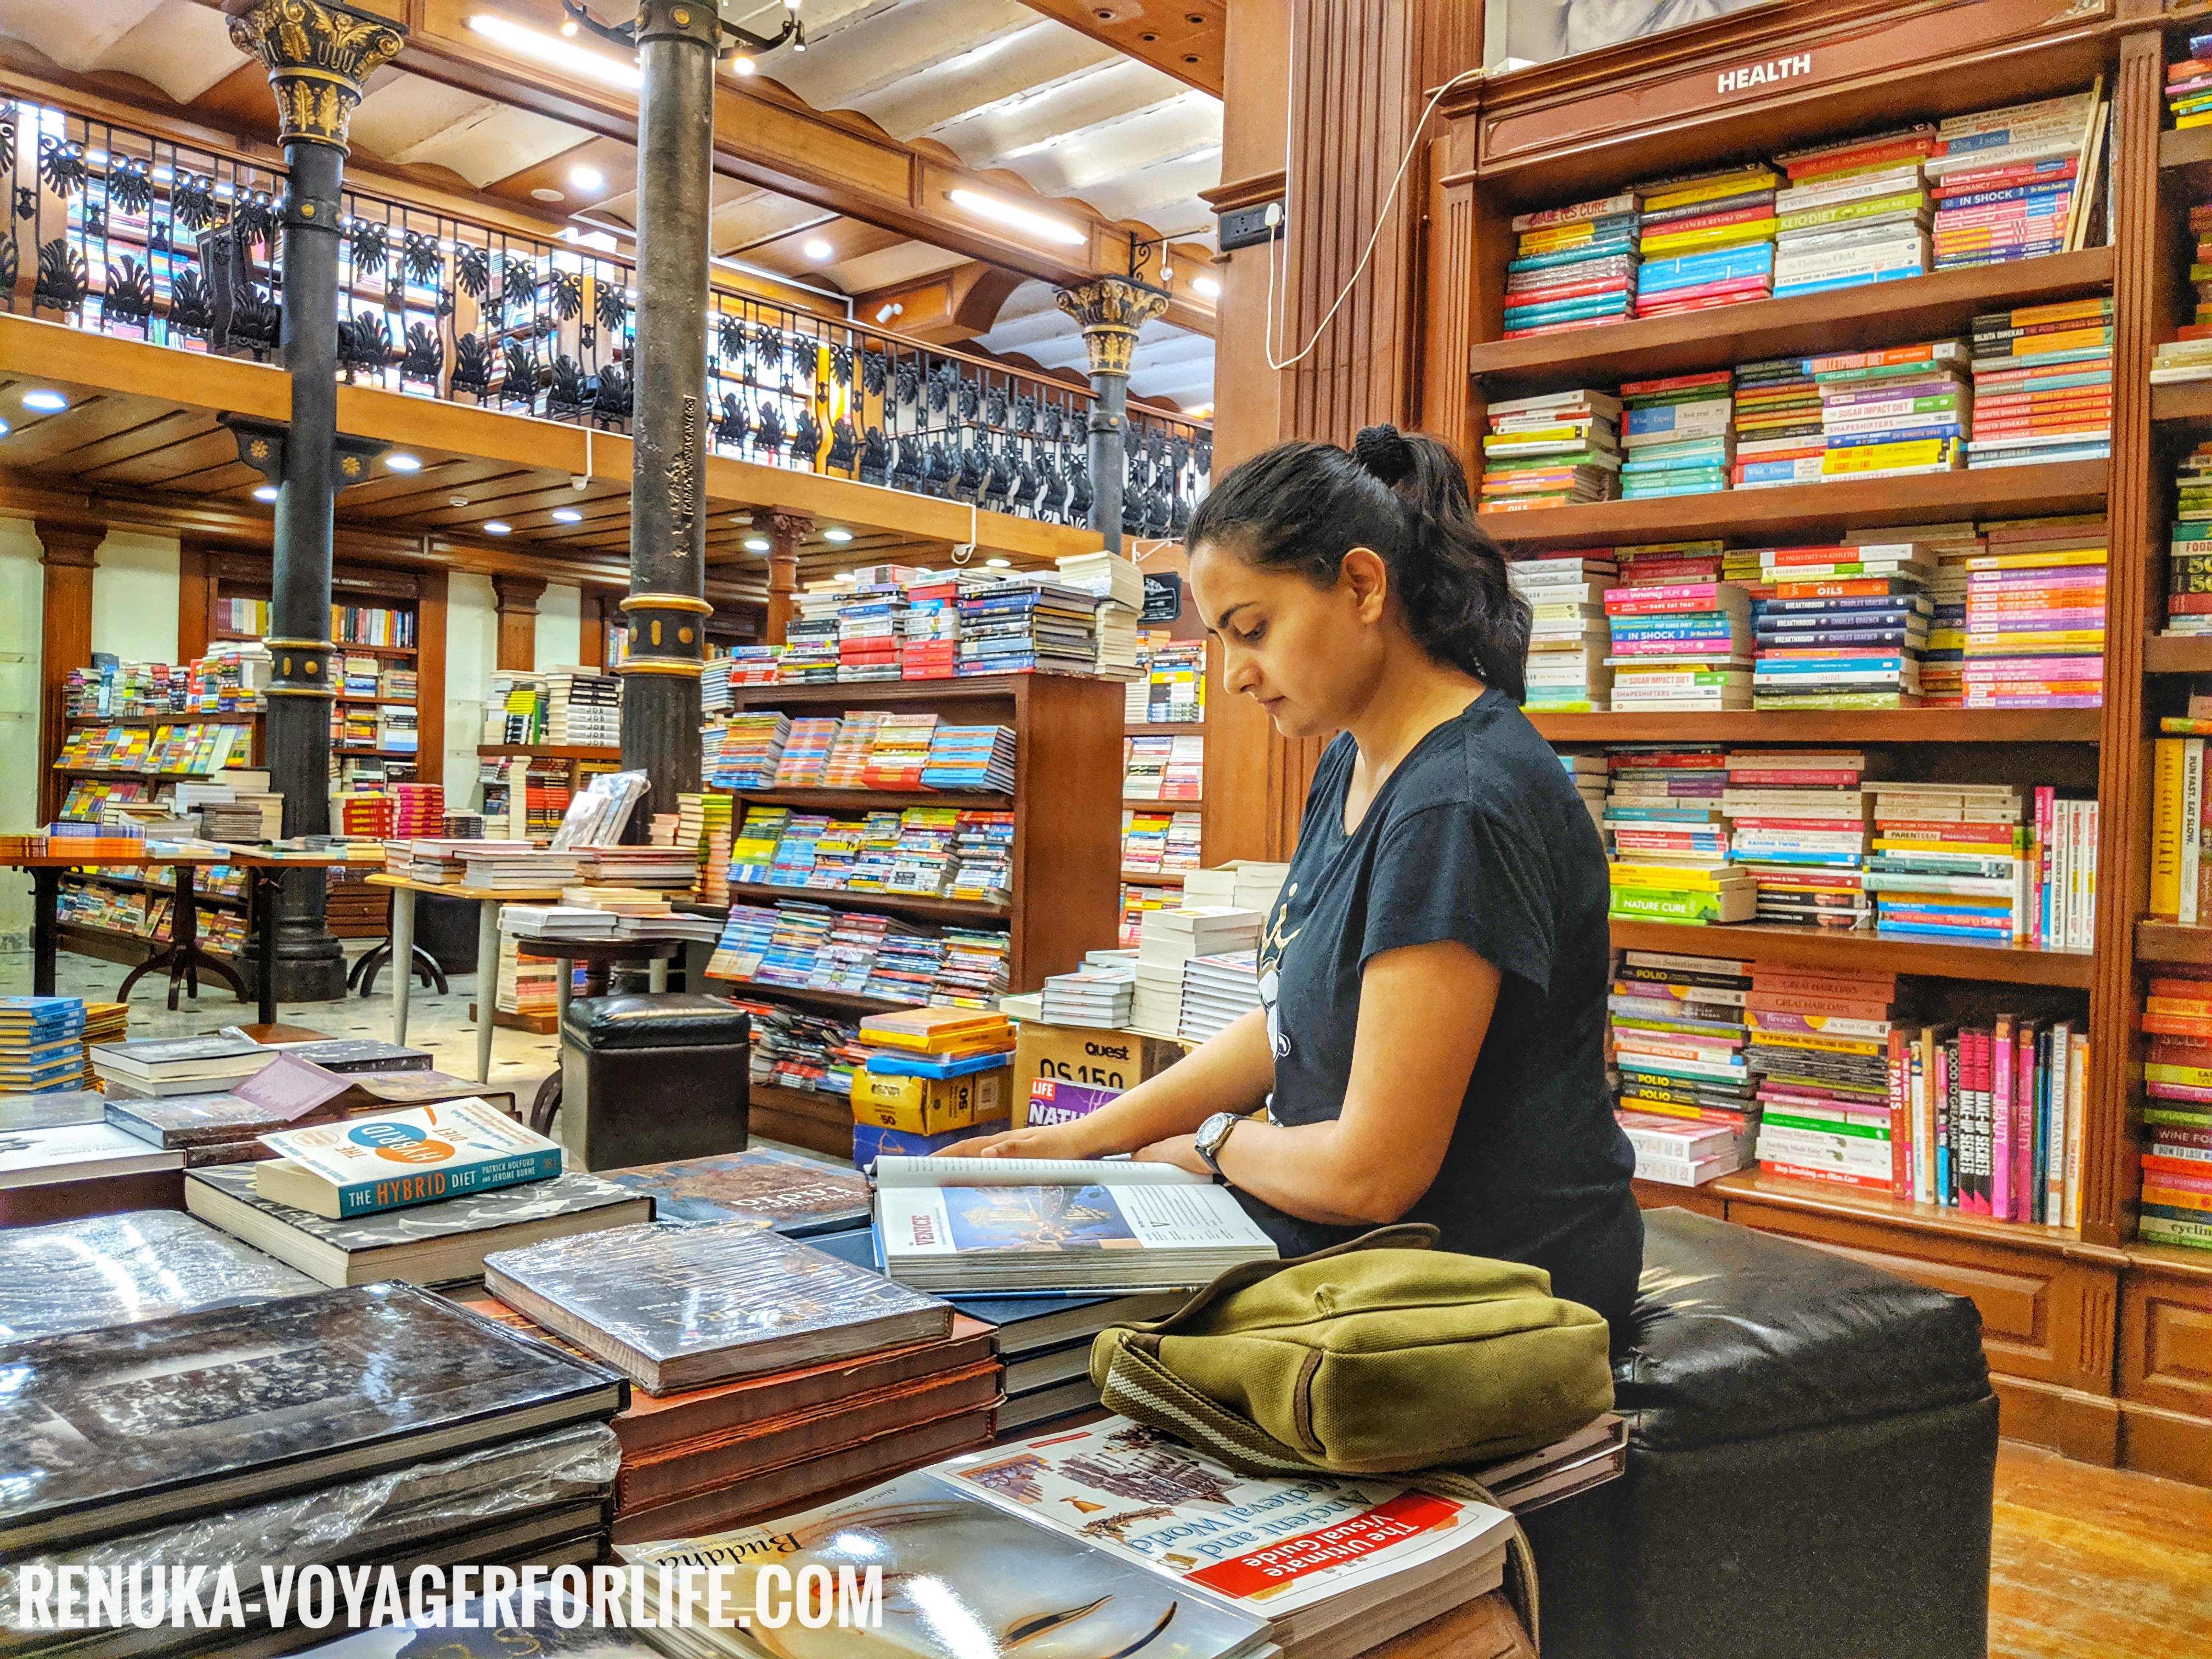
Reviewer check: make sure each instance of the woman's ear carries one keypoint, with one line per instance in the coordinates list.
(1367, 578)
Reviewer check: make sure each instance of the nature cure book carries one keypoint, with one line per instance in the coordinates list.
(390, 1159)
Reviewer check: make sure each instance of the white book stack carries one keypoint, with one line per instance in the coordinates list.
(1218, 990)
(1098, 998)
(531, 869)
(1171, 937)
(584, 709)
(1241, 884)
(1567, 639)
(1682, 1152)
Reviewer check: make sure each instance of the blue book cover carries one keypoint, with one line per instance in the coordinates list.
(1863, 279)
(1693, 268)
(1611, 248)
(1567, 311)
(1909, 434)
(2051, 192)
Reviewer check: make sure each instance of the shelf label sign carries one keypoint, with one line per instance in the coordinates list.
(1762, 74)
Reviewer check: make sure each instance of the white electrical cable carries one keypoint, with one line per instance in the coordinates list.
(1382, 217)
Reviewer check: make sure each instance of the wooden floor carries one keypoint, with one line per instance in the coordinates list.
(2098, 1563)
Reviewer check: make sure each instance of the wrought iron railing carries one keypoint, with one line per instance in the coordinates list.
(127, 234)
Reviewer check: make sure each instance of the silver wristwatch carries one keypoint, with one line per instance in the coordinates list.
(1211, 1136)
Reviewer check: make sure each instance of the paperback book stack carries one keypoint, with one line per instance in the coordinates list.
(1017, 627)
(1587, 774)
(1676, 1027)
(1820, 1041)
(805, 756)
(1844, 628)
(2188, 356)
(1568, 640)
(2177, 1150)
(418, 810)
(1953, 861)
(1662, 805)
(1778, 428)
(900, 752)
(1163, 768)
(1097, 997)
(2188, 86)
(974, 971)
(2043, 383)
(869, 632)
(753, 847)
(2014, 182)
(584, 709)
(1572, 267)
(1797, 823)
(930, 630)
(1943, 660)
(970, 757)
(1175, 687)
(1706, 241)
(1117, 587)
(1217, 991)
(1682, 646)
(1169, 938)
(1678, 1152)
(1892, 413)
(1854, 212)
(1680, 892)
(1987, 1120)
(2189, 548)
(1551, 451)
(41, 1044)
(747, 749)
(810, 647)
(845, 766)
(982, 851)
(1676, 436)
(2035, 615)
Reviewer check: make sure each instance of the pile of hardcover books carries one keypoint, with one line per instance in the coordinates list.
(1687, 1095)
(1683, 646)
(1857, 211)
(2177, 1150)
(2043, 383)
(1677, 435)
(1820, 1041)
(1706, 241)
(2035, 615)
(1551, 451)
(1573, 267)
(2020, 182)
(1797, 823)
(1568, 640)
(1840, 627)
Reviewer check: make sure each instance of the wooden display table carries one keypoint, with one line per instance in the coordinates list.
(268, 866)
(183, 955)
(402, 948)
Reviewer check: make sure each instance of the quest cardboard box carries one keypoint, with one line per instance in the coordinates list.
(1114, 1061)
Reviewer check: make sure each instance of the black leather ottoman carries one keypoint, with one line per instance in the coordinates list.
(1812, 1454)
(645, 1079)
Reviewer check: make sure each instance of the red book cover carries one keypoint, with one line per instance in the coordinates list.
(1568, 291)
(1676, 383)
(1899, 151)
(1900, 1120)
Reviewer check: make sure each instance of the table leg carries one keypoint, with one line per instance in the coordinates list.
(403, 955)
(183, 932)
(562, 990)
(46, 895)
(266, 883)
(656, 975)
(487, 983)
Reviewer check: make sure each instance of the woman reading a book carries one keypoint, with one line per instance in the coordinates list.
(1431, 1042)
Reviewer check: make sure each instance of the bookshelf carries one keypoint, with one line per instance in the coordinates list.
(1065, 897)
(1163, 886)
(2080, 1325)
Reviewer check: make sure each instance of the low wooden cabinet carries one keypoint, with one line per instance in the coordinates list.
(2165, 1373)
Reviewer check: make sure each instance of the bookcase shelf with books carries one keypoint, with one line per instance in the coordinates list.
(1594, 126)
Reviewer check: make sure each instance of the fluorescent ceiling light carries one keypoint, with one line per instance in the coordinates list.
(559, 53)
(757, 544)
(588, 177)
(1207, 286)
(47, 403)
(400, 461)
(839, 536)
(493, 527)
(567, 516)
(265, 492)
(1019, 218)
(997, 564)
(816, 249)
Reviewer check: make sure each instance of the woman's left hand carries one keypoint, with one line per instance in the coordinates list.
(1179, 1149)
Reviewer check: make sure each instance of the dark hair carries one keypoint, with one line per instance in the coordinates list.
(1303, 505)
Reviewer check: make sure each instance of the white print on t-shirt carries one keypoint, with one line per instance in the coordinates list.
(1271, 956)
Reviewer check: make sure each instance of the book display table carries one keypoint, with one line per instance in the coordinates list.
(183, 957)
(402, 948)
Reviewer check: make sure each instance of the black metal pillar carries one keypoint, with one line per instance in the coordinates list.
(318, 55)
(1111, 310)
(666, 606)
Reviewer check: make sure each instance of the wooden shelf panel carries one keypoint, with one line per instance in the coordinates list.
(2180, 152)
(865, 694)
(1143, 805)
(1162, 728)
(2178, 653)
(1752, 1186)
(228, 717)
(550, 751)
(1835, 726)
(838, 799)
(1849, 319)
(1805, 511)
(2169, 942)
(1157, 879)
(896, 904)
(850, 1002)
(2182, 401)
(2012, 964)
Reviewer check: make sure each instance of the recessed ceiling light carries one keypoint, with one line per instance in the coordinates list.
(836, 535)
(757, 544)
(493, 527)
(265, 492)
(398, 461)
(1207, 286)
(561, 54)
(3, 428)
(588, 177)
(997, 564)
(47, 403)
(814, 248)
(547, 193)
(1019, 218)
(567, 516)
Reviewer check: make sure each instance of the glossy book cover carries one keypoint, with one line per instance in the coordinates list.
(794, 1194)
(420, 1156)
(473, 1213)
(111, 1270)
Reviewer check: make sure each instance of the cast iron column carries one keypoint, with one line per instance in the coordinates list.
(1111, 310)
(667, 606)
(318, 55)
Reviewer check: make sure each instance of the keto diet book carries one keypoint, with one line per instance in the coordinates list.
(384, 1162)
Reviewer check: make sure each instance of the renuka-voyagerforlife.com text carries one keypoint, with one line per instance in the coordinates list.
(467, 1598)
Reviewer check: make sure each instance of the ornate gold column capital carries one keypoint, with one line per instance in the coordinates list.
(1111, 310)
(318, 55)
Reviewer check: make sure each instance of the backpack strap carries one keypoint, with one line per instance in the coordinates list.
(1399, 1236)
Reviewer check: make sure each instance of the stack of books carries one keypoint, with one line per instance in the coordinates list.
(1893, 413)
(1707, 241)
(1682, 646)
(745, 750)
(1156, 843)
(1813, 648)
(1953, 861)
(2043, 383)
(2188, 356)
(1986, 1120)
(1778, 431)
(1020, 626)
(1118, 587)
(846, 764)
(419, 810)
(1175, 683)
(1094, 997)
(177, 1065)
(2180, 832)
(810, 651)
(1678, 1153)
(970, 757)
(982, 851)
(1588, 775)
(584, 709)
(2035, 615)
(1797, 823)
(2189, 85)
(930, 631)
(1566, 671)
(1820, 1044)
(899, 750)
(1681, 892)
(495, 863)
(1572, 267)
(1216, 991)
(1857, 211)
(805, 755)
(975, 970)
(2020, 182)
(1677, 435)
(2189, 546)
(1169, 937)
(2177, 1114)
(1551, 451)
(1662, 805)
(1679, 1036)
(42, 1044)
(1943, 659)
(870, 631)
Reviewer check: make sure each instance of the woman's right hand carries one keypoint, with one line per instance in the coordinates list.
(1054, 1140)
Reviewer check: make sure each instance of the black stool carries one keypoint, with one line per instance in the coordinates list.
(651, 1078)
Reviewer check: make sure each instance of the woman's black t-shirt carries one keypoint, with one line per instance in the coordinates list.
(1478, 836)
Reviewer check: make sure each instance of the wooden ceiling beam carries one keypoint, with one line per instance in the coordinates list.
(1186, 39)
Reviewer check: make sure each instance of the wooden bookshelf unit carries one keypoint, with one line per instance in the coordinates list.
(2080, 1324)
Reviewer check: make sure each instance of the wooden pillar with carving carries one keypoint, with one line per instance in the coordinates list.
(65, 643)
(786, 532)
(516, 600)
